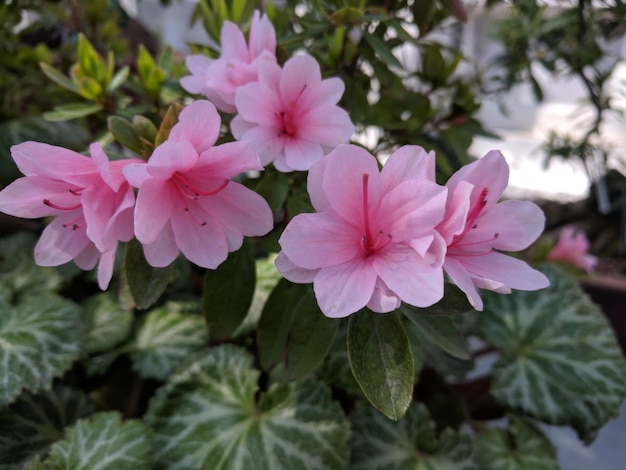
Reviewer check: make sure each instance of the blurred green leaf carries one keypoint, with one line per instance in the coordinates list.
(146, 283)
(381, 360)
(274, 187)
(59, 78)
(125, 133)
(70, 111)
(382, 50)
(227, 293)
(118, 79)
(107, 324)
(91, 63)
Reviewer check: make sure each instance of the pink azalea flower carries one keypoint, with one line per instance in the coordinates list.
(572, 247)
(219, 79)
(291, 115)
(90, 199)
(187, 200)
(371, 242)
(476, 225)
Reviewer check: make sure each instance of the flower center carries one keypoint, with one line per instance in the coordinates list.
(287, 128)
(191, 192)
(370, 243)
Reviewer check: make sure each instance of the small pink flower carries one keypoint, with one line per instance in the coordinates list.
(291, 115)
(90, 199)
(371, 242)
(572, 247)
(187, 200)
(476, 225)
(219, 79)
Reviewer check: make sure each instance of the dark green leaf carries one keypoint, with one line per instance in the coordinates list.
(146, 283)
(125, 133)
(382, 50)
(274, 187)
(453, 303)
(381, 360)
(227, 293)
(145, 128)
(440, 330)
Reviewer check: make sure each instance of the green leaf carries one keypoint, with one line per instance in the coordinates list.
(125, 133)
(90, 88)
(382, 50)
(381, 360)
(19, 275)
(41, 337)
(150, 74)
(90, 62)
(59, 78)
(410, 443)
(165, 338)
(453, 303)
(208, 416)
(336, 367)
(107, 324)
(274, 187)
(169, 121)
(118, 79)
(145, 128)
(440, 330)
(520, 446)
(227, 293)
(559, 359)
(346, 16)
(103, 442)
(146, 283)
(34, 422)
(70, 111)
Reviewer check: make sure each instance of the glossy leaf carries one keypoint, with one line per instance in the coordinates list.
(34, 422)
(41, 337)
(381, 360)
(165, 338)
(146, 283)
(212, 416)
(227, 293)
(440, 330)
(412, 442)
(559, 359)
(520, 446)
(103, 442)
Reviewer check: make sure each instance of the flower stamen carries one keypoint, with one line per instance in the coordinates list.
(49, 203)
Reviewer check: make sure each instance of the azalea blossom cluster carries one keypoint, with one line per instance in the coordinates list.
(377, 238)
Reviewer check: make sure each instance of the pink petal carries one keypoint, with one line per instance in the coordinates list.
(59, 245)
(225, 161)
(170, 157)
(105, 268)
(34, 158)
(293, 273)
(346, 288)
(137, 174)
(490, 172)
(344, 182)
(314, 186)
(409, 162)
(88, 258)
(233, 43)
(313, 241)
(257, 103)
(200, 237)
(459, 276)
(199, 66)
(383, 299)
(409, 276)
(327, 125)
(154, 206)
(99, 205)
(269, 74)
(457, 209)
(301, 154)
(506, 270)
(164, 250)
(264, 140)
(516, 223)
(262, 36)
(25, 197)
(300, 81)
(199, 123)
(330, 91)
(239, 209)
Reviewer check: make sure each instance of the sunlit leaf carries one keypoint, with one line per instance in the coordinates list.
(212, 416)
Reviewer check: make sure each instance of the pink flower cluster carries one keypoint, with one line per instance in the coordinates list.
(289, 114)
(572, 248)
(380, 238)
(186, 201)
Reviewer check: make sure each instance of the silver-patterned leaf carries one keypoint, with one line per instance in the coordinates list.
(107, 324)
(212, 416)
(559, 358)
(34, 422)
(40, 338)
(103, 442)
(165, 338)
(519, 447)
(378, 443)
